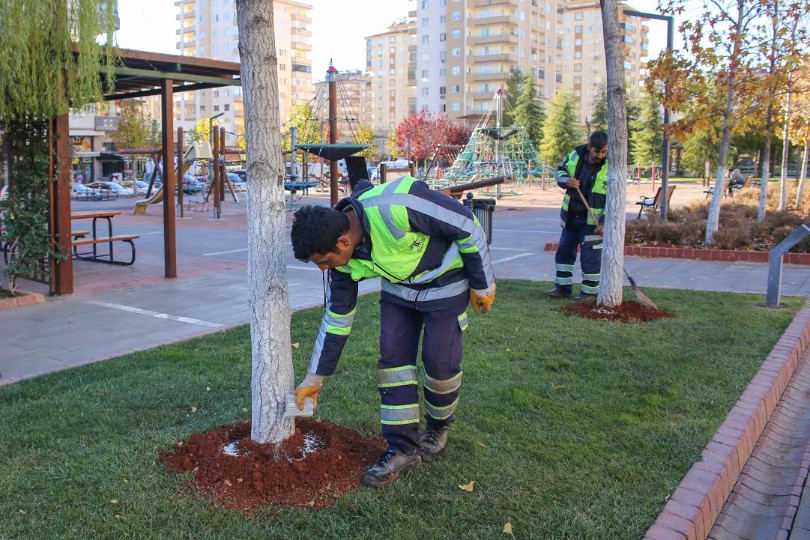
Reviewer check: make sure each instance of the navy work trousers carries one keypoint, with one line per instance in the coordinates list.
(400, 330)
(590, 256)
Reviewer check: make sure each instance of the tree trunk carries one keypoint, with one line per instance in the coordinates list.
(802, 174)
(766, 166)
(713, 220)
(610, 290)
(272, 371)
(785, 153)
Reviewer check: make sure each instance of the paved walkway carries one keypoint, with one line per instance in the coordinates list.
(117, 310)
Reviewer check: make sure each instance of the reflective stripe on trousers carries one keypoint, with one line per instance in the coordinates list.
(590, 256)
(401, 328)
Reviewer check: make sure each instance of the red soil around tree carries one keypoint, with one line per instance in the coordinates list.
(627, 311)
(314, 467)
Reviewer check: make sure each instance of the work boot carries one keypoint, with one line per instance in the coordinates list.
(558, 292)
(432, 442)
(389, 466)
(583, 296)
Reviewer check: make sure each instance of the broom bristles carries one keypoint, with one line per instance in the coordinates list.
(643, 298)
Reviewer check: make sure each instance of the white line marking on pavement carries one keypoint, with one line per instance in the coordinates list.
(224, 252)
(505, 249)
(155, 314)
(512, 258)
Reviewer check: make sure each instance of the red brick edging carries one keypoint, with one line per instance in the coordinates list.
(696, 503)
(23, 298)
(704, 254)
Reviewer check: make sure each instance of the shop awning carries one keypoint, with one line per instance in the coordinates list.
(110, 156)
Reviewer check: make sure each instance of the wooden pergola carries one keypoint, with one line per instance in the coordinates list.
(138, 74)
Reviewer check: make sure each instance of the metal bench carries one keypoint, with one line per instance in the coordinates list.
(651, 204)
(108, 257)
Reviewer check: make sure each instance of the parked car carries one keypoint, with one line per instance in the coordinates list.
(141, 187)
(237, 182)
(105, 192)
(191, 184)
(120, 190)
(82, 192)
(241, 173)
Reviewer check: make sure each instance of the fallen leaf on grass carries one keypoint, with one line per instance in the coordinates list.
(467, 487)
(507, 528)
(295, 345)
(114, 501)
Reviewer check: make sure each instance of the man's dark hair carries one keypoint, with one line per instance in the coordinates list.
(316, 229)
(598, 139)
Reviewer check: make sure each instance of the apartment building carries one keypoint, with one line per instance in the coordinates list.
(582, 43)
(353, 103)
(391, 66)
(466, 50)
(208, 28)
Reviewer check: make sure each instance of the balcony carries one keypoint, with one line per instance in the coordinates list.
(487, 77)
(302, 45)
(509, 38)
(107, 123)
(301, 17)
(486, 3)
(509, 57)
(510, 19)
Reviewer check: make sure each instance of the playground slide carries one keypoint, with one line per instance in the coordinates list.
(198, 150)
(140, 206)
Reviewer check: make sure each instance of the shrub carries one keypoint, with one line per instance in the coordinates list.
(738, 225)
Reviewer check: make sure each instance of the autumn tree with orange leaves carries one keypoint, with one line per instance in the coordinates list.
(729, 72)
(419, 133)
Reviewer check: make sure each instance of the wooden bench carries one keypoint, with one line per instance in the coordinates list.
(651, 204)
(735, 187)
(104, 257)
(709, 191)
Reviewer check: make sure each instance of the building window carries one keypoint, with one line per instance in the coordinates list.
(541, 73)
(226, 107)
(456, 15)
(578, 16)
(455, 107)
(559, 77)
(577, 54)
(455, 51)
(455, 70)
(578, 29)
(425, 92)
(456, 34)
(577, 67)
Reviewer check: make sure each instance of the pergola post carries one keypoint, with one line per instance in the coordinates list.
(169, 233)
(61, 280)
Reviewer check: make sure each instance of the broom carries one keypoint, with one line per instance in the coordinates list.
(640, 296)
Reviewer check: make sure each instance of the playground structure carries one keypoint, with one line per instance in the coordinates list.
(493, 152)
(195, 151)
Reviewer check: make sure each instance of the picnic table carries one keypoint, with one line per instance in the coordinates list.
(81, 238)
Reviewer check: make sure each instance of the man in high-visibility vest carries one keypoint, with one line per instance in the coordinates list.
(432, 256)
(583, 173)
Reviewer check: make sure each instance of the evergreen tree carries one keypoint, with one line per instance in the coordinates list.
(647, 136)
(514, 87)
(633, 115)
(561, 130)
(600, 112)
(529, 111)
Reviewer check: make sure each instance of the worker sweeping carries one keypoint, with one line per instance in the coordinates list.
(583, 171)
(432, 256)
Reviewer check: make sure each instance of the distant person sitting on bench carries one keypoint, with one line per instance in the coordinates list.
(736, 181)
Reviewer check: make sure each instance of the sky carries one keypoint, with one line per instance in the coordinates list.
(339, 28)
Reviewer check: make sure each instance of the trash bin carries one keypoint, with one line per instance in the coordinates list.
(482, 209)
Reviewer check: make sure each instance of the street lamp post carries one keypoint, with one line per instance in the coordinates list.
(665, 150)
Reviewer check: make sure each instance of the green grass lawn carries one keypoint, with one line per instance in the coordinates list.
(570, 428)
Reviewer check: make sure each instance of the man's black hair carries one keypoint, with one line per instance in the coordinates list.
(316, 229)
(598, 139)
